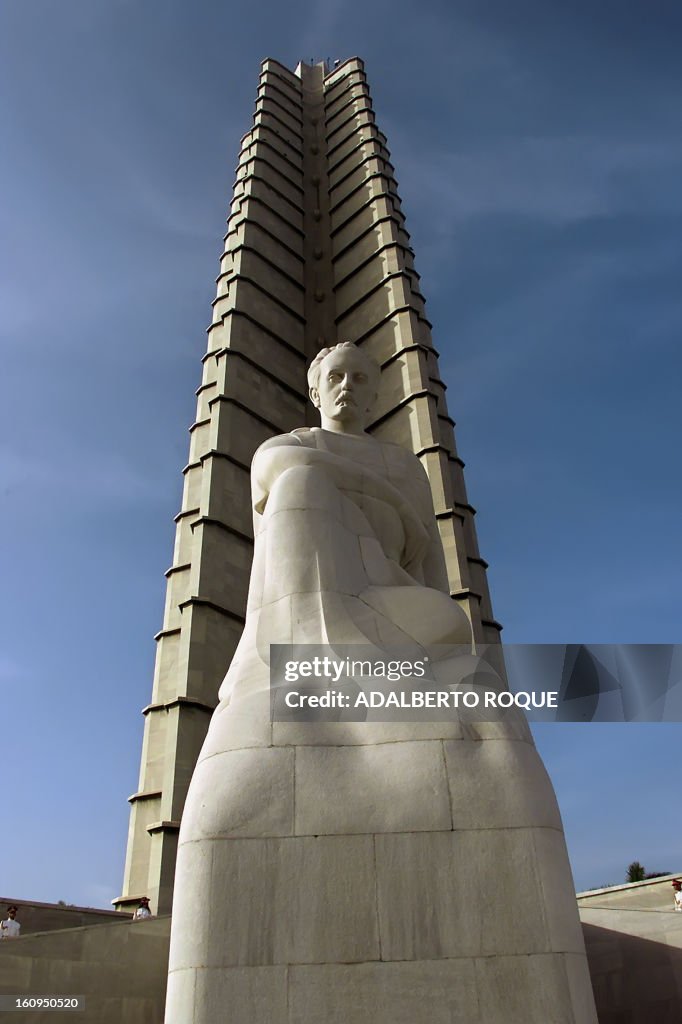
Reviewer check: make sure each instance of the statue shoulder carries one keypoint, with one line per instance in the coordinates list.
(403, 457)
(307, 436)
(410, 476)
(284, 440)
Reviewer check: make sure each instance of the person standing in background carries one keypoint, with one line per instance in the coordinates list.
(143, 910)
(677, 894)
(10, 927)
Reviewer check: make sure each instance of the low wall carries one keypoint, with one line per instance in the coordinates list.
(46, 917)
(632, 934)
(633, 938)
(119, 968)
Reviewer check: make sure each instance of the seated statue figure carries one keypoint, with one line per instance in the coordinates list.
(350, 870)
(347, 549)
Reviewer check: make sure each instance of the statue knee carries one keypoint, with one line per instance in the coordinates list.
(303, 487)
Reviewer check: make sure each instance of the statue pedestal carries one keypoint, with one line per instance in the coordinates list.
(373, 872)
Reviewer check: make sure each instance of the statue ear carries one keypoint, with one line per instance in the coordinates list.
(314, 397)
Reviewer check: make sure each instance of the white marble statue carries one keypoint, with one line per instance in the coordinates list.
(355, 872)
(347, 549)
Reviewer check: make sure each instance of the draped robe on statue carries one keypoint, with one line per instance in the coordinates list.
(350, 872)
(347, 551)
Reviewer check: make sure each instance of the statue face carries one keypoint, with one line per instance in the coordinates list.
(346, 391)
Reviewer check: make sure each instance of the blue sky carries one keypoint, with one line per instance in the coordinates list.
(537, 149)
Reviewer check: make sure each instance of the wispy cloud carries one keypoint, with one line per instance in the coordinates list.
(12, 671)
(159, 201)
(105, 476)
(96, 894)
(322, 23)
(559, 180)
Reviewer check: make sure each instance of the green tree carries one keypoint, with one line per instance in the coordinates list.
(636, 872)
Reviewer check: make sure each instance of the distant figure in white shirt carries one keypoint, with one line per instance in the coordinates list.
(677, 892)
(143, 910)
(10, 927)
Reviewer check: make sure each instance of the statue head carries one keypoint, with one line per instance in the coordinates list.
(343, 383)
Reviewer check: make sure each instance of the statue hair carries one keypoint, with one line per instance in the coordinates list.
(314, 368)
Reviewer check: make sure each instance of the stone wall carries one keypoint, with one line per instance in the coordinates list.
(46, 917)
(633, 938)
(118, 968)
(632, 934)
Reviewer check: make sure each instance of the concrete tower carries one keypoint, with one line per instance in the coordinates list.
(316, 252)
